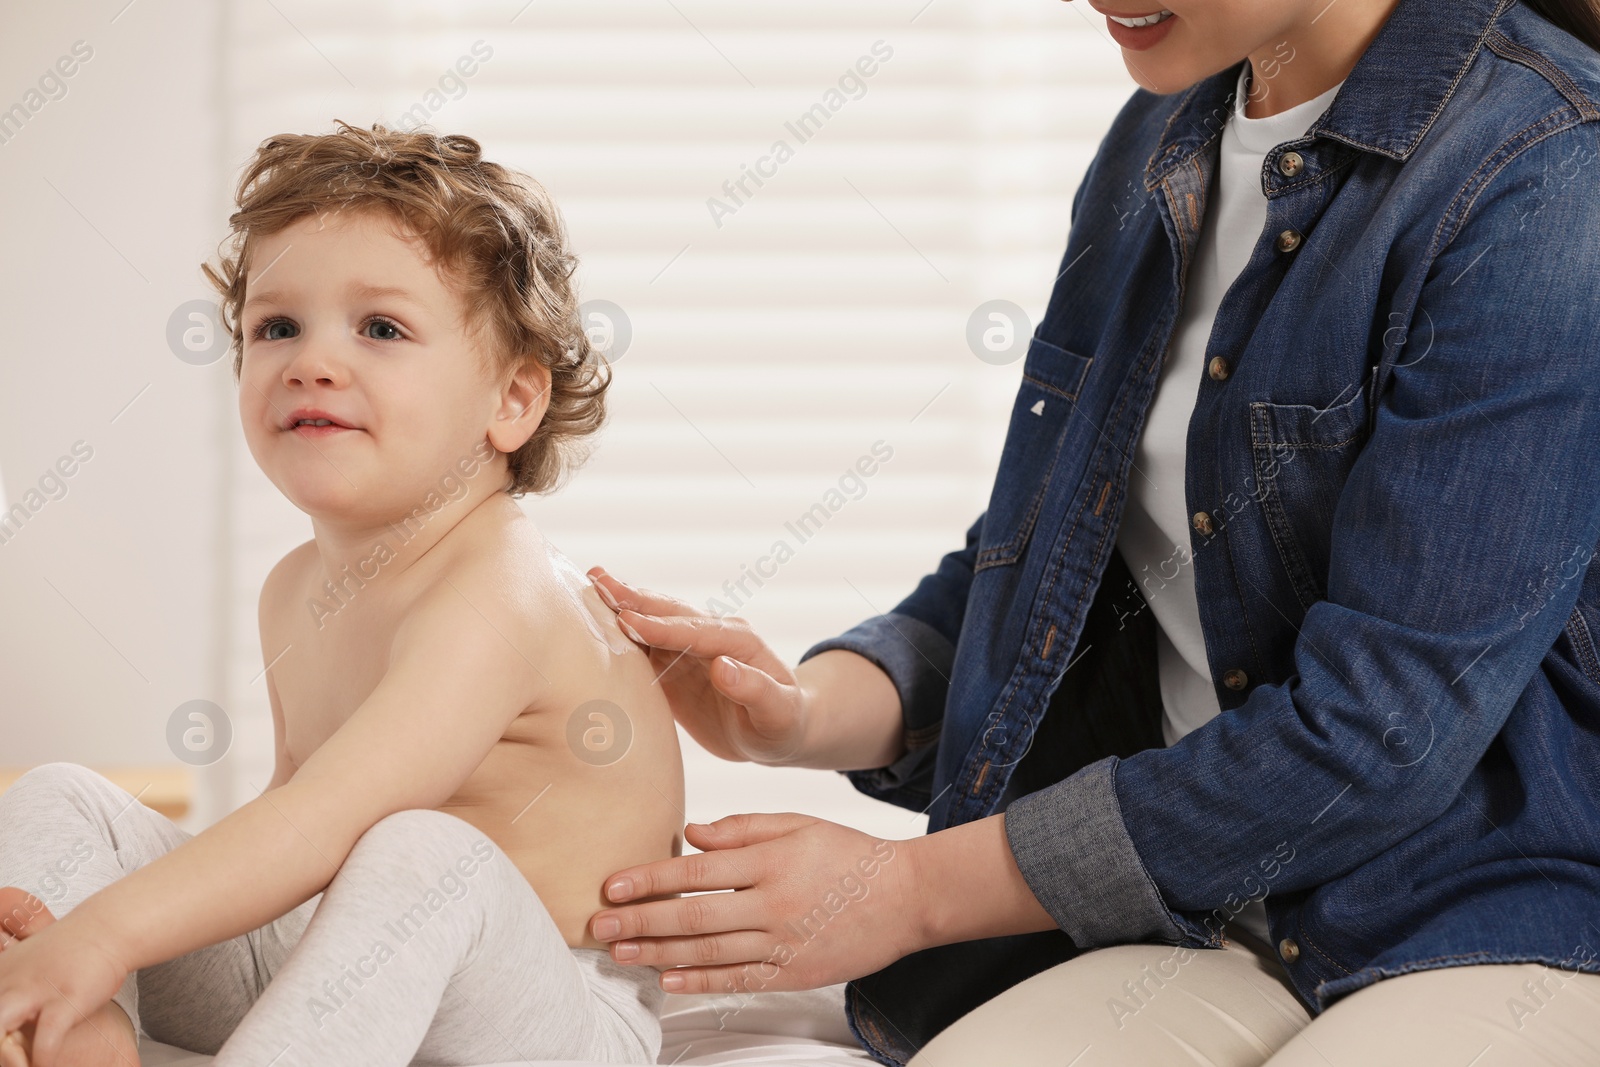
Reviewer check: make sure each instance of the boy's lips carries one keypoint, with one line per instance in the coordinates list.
(314, 422)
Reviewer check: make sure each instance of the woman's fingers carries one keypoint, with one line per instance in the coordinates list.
(748, 828)
(693, 916)
(619, 594)
(740, 978)
(663, 622)
(697, 635)
(726, 949)
(700, 871)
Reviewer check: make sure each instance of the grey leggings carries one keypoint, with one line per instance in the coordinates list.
(428, 947)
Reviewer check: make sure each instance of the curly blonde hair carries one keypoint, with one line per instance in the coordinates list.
(496, 231)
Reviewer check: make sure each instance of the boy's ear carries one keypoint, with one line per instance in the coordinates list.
(523, 401)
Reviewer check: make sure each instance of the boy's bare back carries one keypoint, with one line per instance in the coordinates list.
(588, 779)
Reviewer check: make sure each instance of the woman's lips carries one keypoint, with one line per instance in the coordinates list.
(1138, 38)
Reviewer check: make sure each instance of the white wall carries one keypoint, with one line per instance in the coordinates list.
(109, 195)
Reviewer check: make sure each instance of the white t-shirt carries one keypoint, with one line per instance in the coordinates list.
(1154, 536)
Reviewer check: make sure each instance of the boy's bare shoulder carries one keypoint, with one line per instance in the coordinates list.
(497, 551)
(285, 578)
(523, 591)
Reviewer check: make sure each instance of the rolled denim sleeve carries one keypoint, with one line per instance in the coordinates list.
(1111, 897)
(1459, 543)
(914, 644)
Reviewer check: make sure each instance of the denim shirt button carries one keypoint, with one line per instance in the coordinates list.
(1288, 240)
(1202, 522)
(1217, 368)
(1288, 950)
(1290, 164)
(1237, 679)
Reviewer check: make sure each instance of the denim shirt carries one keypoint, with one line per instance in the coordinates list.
(1393, 468)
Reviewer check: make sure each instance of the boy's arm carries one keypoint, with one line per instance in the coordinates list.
(270, 606)
(283, 767)
(454, 685)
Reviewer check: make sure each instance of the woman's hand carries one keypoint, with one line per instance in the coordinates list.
(54, 979)
(725, 685)
(814, 903)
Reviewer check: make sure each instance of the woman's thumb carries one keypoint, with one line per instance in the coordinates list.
(742, 682)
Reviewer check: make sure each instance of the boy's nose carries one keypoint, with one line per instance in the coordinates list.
(313, 365)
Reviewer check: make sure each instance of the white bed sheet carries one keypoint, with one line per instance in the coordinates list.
(805, 1028)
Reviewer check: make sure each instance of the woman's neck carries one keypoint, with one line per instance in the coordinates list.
(1313, 57)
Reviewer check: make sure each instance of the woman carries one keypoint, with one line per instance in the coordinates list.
(1340, 442)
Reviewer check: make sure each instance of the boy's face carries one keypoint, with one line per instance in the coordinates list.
(398, 370)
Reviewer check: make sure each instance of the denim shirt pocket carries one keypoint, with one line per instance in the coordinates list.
(1302, 455)
(1051, 379)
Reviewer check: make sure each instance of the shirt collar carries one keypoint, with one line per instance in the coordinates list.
(1387, 102)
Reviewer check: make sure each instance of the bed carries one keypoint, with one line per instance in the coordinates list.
(806, 1028)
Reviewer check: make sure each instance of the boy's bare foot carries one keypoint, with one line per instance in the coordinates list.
(104, 1039)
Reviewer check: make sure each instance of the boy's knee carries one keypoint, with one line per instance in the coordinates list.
(421, 834)
(419, 854)
(56, 779)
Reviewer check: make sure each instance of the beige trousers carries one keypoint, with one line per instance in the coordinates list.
(1160, 1006)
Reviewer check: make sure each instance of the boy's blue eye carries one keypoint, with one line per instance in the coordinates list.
(386, 324)
(266, 330)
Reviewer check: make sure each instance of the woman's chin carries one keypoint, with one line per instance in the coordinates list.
(1165, 75)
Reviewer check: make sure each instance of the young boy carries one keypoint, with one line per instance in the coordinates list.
(466, 742)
